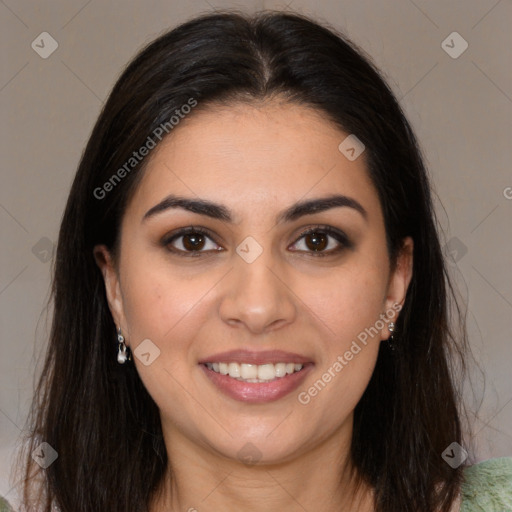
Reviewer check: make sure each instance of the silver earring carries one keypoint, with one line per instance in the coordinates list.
(391, 329)
(123, 352)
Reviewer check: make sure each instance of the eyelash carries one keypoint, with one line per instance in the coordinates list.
(334, 233)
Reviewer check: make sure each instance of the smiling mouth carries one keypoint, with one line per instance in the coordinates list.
(255, 373)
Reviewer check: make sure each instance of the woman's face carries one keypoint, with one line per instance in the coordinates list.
(252, 283)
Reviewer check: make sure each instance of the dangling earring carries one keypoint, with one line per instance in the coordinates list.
(391, 329)
(123, 353)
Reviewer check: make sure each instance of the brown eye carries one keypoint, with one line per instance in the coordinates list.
(193, 241)
(318, 239)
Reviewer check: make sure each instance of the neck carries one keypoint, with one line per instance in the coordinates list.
(321, 479)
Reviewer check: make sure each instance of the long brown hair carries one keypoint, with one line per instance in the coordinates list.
(98, 416)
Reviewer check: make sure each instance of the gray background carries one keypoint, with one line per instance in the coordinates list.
(461, 109)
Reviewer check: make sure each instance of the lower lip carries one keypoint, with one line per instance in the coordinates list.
(257, 392)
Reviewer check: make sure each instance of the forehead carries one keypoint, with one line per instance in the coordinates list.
(253, 156)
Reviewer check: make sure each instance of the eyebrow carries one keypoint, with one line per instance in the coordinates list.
(221, 212)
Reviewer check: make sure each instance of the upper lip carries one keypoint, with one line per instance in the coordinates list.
(252, 357)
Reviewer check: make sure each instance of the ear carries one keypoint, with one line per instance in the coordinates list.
(105, 262)
(399, 283)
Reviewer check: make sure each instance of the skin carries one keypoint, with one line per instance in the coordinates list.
(256, 160)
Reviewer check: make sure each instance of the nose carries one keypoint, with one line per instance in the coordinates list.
(256, 296)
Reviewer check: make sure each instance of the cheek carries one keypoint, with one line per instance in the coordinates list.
(172, 311)
(156, 300)
(165, 309)
(349, 304)
(348, 300)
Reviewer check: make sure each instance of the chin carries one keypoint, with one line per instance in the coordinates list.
(258, 450)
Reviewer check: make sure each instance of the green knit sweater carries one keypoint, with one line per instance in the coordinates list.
(487, 487)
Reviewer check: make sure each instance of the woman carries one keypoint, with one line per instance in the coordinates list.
(251, 308)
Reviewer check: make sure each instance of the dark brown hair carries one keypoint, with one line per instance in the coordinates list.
(98, 415)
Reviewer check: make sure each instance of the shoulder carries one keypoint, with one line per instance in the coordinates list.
(487, 486)
(4, 505)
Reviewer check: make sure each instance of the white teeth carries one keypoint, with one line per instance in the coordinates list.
(247, 371)
(280, 369)
(253, 372)
(234, 370)
(266, 372)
